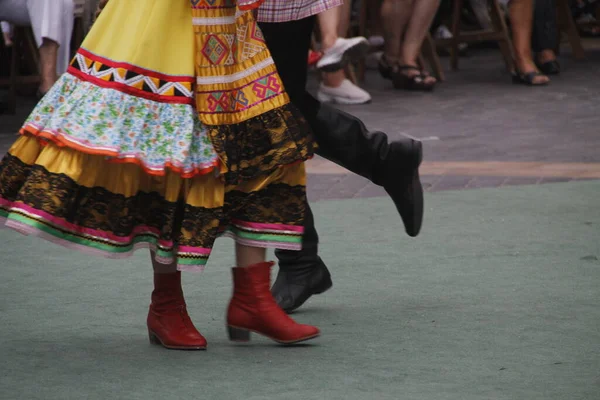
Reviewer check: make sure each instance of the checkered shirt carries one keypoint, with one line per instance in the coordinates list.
(292, 10)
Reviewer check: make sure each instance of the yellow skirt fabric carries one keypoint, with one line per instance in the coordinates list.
(170, 128)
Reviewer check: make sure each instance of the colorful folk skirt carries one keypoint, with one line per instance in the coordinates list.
(170, 128)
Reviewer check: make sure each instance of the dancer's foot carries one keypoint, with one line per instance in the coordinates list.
(401, 181)
(173, 329)
(295, 284)
(253, 309)
(169, 324)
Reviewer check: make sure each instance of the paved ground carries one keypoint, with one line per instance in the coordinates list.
(497, 299)
(478, 117)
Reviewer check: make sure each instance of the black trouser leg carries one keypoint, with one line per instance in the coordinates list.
(346, 141)
(308, 258)
(343, 138)
(289, 43)
(545, 31)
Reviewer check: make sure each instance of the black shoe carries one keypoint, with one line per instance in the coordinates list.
(402, 182)
(549, 67)
(301, 273)
(294, 286)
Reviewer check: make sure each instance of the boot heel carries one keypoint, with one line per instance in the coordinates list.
(238, 335)
(153, 338)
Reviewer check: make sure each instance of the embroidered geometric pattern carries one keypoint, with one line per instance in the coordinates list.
(233, 55)
(200, 4)
(227, 101)
(252, 40)
(267, 87)
(256, 33)
(242, 98)
(132, 79)
(219, 49)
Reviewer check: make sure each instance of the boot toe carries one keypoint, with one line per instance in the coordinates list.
(303, 333)
(174, 331)
(293, 288)
(407, 192)
(285, 300)
(312, 331)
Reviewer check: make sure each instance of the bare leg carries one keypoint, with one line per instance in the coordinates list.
(423, 12)
(395, 15)
(328, 25)
(345, 11)
(546, 55)
(246, 256)
(48, 58)
(333, 79)
(521, 18)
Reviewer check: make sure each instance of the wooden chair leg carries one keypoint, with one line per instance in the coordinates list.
(565, 19)
(363, 19)
(33, 50)
(456, 13)
(506, 44)
(430, 53)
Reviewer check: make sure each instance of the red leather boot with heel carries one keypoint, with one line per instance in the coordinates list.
(253, 309)
(169, 324)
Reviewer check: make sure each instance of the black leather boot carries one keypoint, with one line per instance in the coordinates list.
(345, 140)
(301, 273)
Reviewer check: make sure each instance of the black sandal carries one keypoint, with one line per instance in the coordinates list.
(528, 78)
(415, 82)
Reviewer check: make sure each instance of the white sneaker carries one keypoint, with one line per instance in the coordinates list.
(341, 52)
(346, 93)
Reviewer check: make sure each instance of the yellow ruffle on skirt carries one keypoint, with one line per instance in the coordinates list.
(79, 201)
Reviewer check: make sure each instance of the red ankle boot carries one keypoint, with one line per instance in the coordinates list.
(169, 324)
(253, 308)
